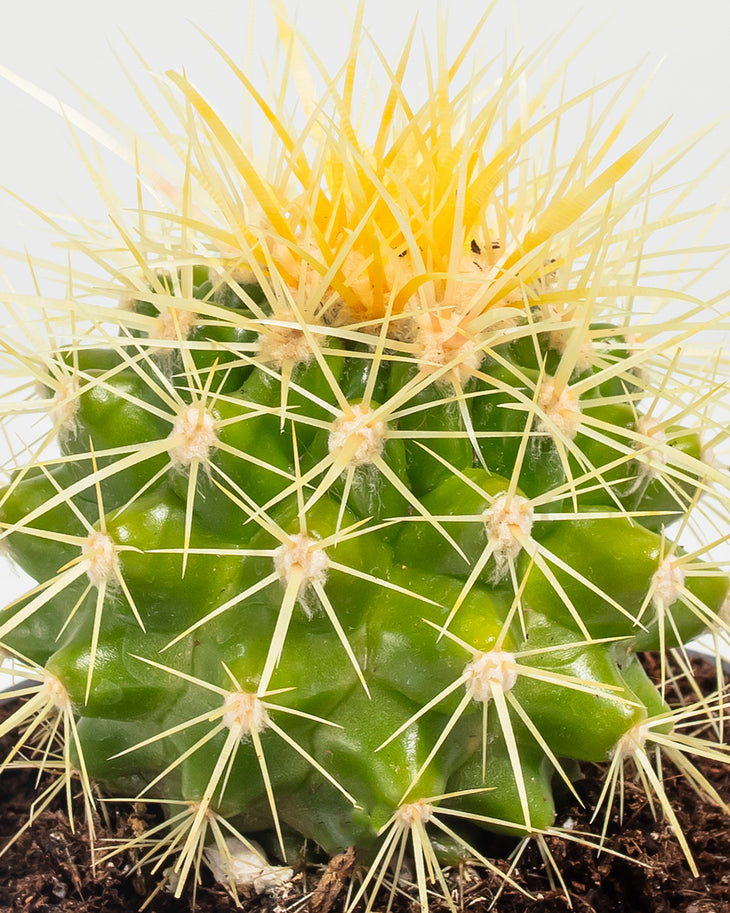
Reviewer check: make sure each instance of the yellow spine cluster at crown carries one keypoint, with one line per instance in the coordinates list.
(435, 213)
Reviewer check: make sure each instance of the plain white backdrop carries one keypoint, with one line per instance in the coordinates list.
(57, 45)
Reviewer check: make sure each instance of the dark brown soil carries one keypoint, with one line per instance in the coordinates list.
(46, 870)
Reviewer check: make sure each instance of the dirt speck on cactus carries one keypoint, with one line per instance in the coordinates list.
(349, 510)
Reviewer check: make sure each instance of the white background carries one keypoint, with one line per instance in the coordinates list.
(56, 44)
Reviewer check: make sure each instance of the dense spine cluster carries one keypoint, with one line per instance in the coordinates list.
(350, 520)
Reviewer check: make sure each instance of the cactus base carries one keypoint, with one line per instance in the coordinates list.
(50, 862)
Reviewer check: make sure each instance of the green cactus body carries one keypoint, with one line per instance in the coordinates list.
(311, 561)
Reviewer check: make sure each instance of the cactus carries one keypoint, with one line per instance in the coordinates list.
(348, 521)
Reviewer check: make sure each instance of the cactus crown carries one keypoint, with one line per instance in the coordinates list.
(348, 521)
